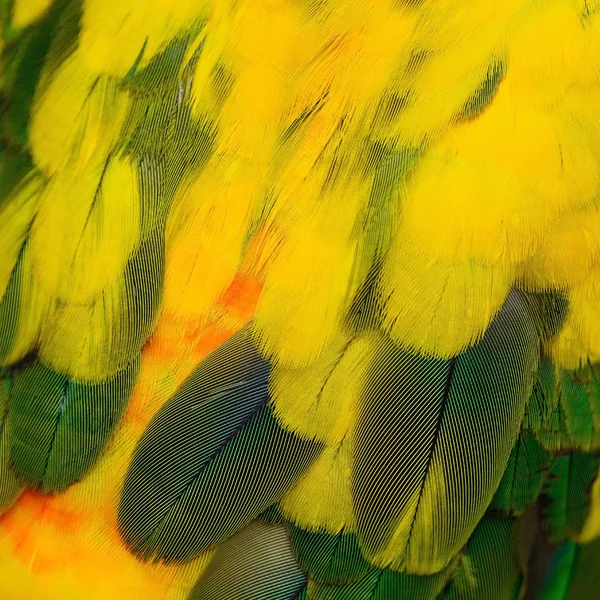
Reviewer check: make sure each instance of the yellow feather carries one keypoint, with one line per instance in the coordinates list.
(322, 498)
(439, 308)
(571, 250)
(16, 215)
(90, 341)
(86, 229)
(420, 556)
(579, 339)
(77, 119)
(320, 401)
(249, 126)
(25, 12)
(206, 232)
(39, 309)
(116, 33)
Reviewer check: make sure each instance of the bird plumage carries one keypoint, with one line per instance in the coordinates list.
(299, 299)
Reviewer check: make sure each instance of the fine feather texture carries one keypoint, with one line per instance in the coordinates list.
(383, 585)
(566, 494)
(523, 477)
(490, 569)
(10, 486)
(428, 503)
(398, 199)
(255, 563)
(57, 427)
(332, 559)
(218, 422)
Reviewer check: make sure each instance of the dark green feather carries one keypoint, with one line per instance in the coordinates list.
(523, 478)
(564, 411)
(227, 459)
(59, 427)
(334, 559)
(21, 63)
(489, 569)
(10, 486)
(566, 494)
(461, 415)
(383, 584)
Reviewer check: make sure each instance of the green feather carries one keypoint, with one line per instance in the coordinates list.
(557, 583)
(423, 420)
(334, 559)
(59, 427)
(228, 459)
(542, 401)
(564, 411)
(10, 486)
(21, 64)
(566, 494)
(384, 584)
(489, 568)
(523, 478)
(574, 573)
(585, 574)
(255, 563)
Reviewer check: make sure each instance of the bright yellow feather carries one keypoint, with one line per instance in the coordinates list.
(25, 12)
(16, 214)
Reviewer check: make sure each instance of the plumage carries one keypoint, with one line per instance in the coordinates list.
(299, 299)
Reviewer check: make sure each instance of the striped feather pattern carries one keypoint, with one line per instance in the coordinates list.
(218, 436)
(255, 563)
(525, 472)
(331, 559)
(490, 568)
(58, 427)
(416, 498)
(566, 494)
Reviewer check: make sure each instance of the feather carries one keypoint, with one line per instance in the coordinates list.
(523, 478)
(490, 562)
(59, 427)
(255, 563)
(78, 118)
(16, 214)
(23, 309)
(101, 230)
(93, 341)
(331, 559)
(421, 477)
(564, 414)
(21, 66)
(10, 486)
(219, 437)
(26, 12)
(566, 495)
(383, 584)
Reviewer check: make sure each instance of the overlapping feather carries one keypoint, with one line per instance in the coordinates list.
(385, 174)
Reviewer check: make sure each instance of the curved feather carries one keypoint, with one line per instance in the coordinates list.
(10, 486)
(384, 584)
(433, 441)
(58, 427)
(523, 478)
(566, 494)
(331, 559)
(228, 459)
(490, 569)
(256, 563)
